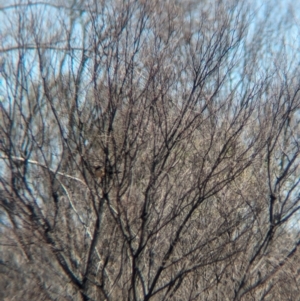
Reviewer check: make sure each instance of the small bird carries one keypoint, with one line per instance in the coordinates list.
(100, 172)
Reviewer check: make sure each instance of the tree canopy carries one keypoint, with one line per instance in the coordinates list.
(149, 150)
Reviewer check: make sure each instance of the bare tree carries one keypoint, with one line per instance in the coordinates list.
(148, 151)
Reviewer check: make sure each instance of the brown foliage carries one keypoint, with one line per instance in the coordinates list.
(148, 151)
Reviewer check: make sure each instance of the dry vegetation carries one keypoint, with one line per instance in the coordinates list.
(149, 150)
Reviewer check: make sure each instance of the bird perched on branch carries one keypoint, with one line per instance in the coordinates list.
(100, 171)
